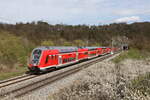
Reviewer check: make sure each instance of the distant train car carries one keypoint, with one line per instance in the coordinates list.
(82, 53)
(99, 51)
(92, 52)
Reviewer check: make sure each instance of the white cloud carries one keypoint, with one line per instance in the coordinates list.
(126, 12)
(128, 19)
(72, 11)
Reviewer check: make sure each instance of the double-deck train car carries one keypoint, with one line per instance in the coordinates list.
(92, 52)
(82, 53)
(45, 58)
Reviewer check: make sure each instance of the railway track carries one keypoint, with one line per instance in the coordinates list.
(36, 84)
(16, 80)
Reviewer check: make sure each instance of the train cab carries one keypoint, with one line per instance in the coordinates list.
(34, 60)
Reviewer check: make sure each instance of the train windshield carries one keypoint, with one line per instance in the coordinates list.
(36, 56)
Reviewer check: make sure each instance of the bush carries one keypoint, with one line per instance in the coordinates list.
(79, 43)
(12, 50)
(47, 43)
(131, 54)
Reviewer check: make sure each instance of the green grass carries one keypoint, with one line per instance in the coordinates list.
(14, 52)
(142, 84)
(17, 72)
(130, 54)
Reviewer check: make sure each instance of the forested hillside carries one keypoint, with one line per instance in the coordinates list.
(17, 41)
(38, 33)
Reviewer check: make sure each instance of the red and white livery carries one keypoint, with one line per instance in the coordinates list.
(45, 58)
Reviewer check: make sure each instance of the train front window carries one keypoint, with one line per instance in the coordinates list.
(36, 56)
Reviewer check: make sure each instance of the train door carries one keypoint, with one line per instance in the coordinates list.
(53, 60)
(59, 59)
(77, 56)
(56, 60)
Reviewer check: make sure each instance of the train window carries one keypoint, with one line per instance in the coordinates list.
(64, 60)
(86, 53)
(47, 58)
(71, 59)
(36, 56)
(67, 60)
(53, 57)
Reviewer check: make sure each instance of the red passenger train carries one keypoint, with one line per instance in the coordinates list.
(44, 58)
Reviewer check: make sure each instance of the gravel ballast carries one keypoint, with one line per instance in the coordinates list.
(55, 87)
(104, 80)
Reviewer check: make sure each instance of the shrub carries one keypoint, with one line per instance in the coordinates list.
(12, 50)
(79, 43)
(132, 54)
(47, 43)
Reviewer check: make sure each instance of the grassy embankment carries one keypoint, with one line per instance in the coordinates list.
(132, 54)
(13, 55)
(142, 82)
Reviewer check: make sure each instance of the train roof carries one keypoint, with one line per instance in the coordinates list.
(65, 49)
(61, 49)
(104, 47)
(91, 48)
(96, 47)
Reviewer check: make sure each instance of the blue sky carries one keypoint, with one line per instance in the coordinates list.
(75, 11)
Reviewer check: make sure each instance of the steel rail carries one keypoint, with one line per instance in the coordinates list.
(16, 80)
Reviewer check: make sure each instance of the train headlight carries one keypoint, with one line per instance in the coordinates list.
(34, 64)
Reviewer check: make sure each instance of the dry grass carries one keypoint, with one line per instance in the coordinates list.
(107, 81)
(6, 72)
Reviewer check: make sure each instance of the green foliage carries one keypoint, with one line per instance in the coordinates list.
(12, 50)
(141, 83)
(131, 54)
(18, 71)
(79, 43)
(97, 44)
(47, 43)
(67, 43)
(60, 34)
